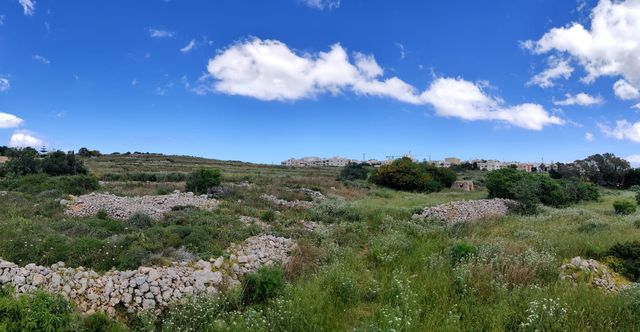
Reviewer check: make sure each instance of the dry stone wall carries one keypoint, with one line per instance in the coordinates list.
(461, 211)
(147, 288)
(118, 207)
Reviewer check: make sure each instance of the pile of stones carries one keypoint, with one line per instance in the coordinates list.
(462, 211)
(590, 270)
(118, 207)
(147, 288)
(258, 251)
(297, 204)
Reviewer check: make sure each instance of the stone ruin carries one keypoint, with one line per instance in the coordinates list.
(464, 185)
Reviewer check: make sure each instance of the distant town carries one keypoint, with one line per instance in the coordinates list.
(479, 164)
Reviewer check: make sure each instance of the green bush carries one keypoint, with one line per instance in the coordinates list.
(353, 171)
(201, 179)
(624, 207)
(638, 197)
(268, 216)
(629, 255)
(140, 220)
(263, 285)
(37, 183)
(405, 174)
(461, 251)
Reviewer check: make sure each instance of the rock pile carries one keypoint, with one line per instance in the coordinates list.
(297, 204)
(259, 251)
(590, 270)
(461, 211)
(147, 288)
(123, 207)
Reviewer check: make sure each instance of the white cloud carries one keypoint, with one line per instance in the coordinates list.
(625, 91)
(455, 97)
(634, 159)
(2, 19)
(134, 82)
(9, 120)
(23, 139)
(157, 33)
(270, 70)
(189, 47)
(40, 58)
(322, 4)
(581, 99)
(4, 84)
(557, 68)
(588, 137)
(403, 53)
(609, 47)
(636, 107)
(623, 130)
(28, 6)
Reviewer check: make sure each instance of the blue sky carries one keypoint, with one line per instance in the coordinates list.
(263, 81)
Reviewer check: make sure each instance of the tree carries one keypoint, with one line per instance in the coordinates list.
(201, 179)
(353, 171)
(604, 169)
(405, 174)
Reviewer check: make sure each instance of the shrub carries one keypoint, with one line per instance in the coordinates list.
(36, 183)
(264, 284)
(202, 179)
(638, 197)
(461, 251)
(592, 226)
(268, 216)
(624, 207)
(405, 174)
(353, 171)
(636, 223)
(629, 256)
(140, 220)
(102, 214)
(37, 312)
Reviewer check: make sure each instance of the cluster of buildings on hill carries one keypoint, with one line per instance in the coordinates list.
(480, 164)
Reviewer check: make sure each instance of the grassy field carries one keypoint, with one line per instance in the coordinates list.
(372, 268)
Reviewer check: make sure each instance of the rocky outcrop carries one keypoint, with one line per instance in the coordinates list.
(593, 272)
(462, 211)
(123, 207)
(147, 288)
(297, 204)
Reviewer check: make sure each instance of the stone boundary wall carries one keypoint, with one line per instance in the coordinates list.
(147, 288)
(461, 211)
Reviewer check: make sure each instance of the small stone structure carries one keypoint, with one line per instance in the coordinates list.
(147, 288)
(462, 211)
(590, 270)
(123, 207)
(297, 204)
(464, 185)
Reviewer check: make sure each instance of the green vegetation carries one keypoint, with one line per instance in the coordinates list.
(405, 174)
(201, 179)
(624, 207)
(533, 189)
(370, 268)
(353, 172)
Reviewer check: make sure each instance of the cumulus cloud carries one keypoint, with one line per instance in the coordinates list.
(588, 137)
(40, 58)
(28, 6)
(270, 70)
(4, 84)
(157, 33)
(189, 47)
(625, 91)
(557, 68)
(9, 120)
(21, 139)
(581, 99)
(322, 4)
(622, 130)
(608, 47)
(455, 97)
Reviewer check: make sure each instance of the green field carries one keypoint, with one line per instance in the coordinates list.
(372, 268)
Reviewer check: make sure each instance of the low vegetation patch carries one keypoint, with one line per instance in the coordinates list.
(405, 174)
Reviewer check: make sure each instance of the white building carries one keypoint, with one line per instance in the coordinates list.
(318, 162)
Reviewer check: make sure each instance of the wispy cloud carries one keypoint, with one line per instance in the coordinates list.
(581, 99)
(40, 58)
(1, 19)
(157, 33)
(189, 47)
(4, 84)
(588, 137)
(322, 4)
(28, 6)
(403, 53)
